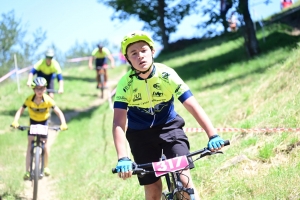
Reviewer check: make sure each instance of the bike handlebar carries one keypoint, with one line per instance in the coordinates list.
(23, 128)
(52, 91)
(139, 168)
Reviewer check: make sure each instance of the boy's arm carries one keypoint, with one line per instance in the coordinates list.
(29, 81)
(91, 62)
(61, 116)
(112, 60)
(18, 114)
(199, 114)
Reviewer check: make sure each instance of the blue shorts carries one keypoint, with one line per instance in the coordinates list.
(148, 145)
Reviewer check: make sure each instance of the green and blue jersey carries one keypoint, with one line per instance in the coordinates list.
(150, 102)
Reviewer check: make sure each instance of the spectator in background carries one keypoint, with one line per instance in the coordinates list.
(100, 54)
(48, 68)
(285, 3)
(232, 22)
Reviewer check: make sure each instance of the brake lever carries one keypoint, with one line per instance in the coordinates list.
(209, 153)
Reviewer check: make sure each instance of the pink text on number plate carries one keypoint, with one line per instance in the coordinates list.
(38, 129)
(170, 165)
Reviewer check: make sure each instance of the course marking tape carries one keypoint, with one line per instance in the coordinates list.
(193, 130)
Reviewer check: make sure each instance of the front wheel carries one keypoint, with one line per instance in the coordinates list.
(102, 85)
(36, 172)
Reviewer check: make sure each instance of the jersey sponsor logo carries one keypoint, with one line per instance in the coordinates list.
(177, 89)
(165, 75)
(137, 97)
(121, 98)
(39, 110)
(126, 88)
(157, 94)
(157, 86)
(135, 90)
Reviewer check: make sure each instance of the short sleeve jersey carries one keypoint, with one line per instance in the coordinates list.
(96, 53)
(150, 101)
(54, 68)
(39, 112)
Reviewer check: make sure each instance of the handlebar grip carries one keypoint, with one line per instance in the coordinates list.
(226, 142)
(114, 170)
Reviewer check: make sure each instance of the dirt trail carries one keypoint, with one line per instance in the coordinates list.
(46, 187)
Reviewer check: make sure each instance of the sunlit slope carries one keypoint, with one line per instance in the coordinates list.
(235, 92)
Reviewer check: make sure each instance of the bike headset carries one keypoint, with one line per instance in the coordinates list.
(39, 81)
(131, 38)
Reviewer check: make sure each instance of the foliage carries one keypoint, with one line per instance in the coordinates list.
(12, 42)
(161, 16)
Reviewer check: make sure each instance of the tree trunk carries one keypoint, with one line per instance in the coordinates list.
(161, 23)
(251, 42)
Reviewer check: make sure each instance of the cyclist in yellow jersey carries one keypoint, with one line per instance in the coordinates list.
(145, 97)
(48, 68)
(99, 55)
(39, 105)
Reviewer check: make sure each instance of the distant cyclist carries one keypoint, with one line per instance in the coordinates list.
(100, 54)
(39, 105)
(145, 97)
(48, 68)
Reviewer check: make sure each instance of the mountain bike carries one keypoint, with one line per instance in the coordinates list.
(171, 169)
(101, 76)
(37, 153)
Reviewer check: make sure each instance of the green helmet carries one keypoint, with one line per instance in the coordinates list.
(135, 37)
(39, 81)
(49, 53)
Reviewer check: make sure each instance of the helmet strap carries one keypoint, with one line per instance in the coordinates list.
(137, 72)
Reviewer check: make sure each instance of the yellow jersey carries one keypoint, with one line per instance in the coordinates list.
(39, 112)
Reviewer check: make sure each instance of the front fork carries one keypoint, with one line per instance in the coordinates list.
(42, 158)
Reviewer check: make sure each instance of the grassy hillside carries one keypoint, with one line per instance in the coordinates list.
(234, 91)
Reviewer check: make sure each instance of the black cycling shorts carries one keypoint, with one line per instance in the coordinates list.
(148, 145)
(50, 84)
(99, 63)
(33, 122)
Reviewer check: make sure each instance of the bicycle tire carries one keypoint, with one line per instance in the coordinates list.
(36, 173)
(102, 85)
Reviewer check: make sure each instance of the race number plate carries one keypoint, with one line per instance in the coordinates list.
(170, 165)
(38, 129)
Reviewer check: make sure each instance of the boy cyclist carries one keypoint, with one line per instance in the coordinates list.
(47, 68)
(39, 105)
(100, 54)
(145, 97)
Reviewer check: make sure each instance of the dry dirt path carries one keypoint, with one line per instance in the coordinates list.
(46, 187)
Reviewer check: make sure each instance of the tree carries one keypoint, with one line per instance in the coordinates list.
(12, 42)
(161, 16)
(251, 42)
(218, 16)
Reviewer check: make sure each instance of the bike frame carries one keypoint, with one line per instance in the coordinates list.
(36, 163)
(101, 74)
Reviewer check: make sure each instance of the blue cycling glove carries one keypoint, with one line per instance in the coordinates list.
(124, 165)
(215, 142)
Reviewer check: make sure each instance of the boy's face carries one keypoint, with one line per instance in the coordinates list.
(48, 60)
(140, 55)
(39, 90)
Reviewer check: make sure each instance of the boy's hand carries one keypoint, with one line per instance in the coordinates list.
(63, 127)
(15, 124)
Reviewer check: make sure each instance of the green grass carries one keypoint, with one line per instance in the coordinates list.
(234, 91)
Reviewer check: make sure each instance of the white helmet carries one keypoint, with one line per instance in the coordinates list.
(49, 53)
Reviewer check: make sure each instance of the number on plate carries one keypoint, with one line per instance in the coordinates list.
(38, 129)
(170, 165)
